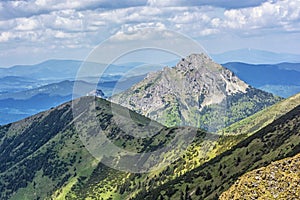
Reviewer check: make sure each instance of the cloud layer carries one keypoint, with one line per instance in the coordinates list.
(76, 24)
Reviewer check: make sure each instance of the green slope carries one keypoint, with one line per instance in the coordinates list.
(39, 154)
(44, 157)
(197, 154)
(276, 141)
(262, 118)
(138, 184)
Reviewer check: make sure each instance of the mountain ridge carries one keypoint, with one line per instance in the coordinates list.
(255, 56)
(47, 151)
(77, 168)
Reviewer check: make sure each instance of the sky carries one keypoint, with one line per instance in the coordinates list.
(32, 31)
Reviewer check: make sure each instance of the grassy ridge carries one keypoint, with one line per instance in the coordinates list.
(43, 156)
(262, 118)
(52, 163)
(278, 140)
(197, 154)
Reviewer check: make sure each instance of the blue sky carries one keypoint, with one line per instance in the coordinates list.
(35, 30)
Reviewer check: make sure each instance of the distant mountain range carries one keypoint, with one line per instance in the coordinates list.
(255, 56)
(24, 77)
(282, 79)
(16, 105)
(68, 70)
(10, 84)
(28, 89)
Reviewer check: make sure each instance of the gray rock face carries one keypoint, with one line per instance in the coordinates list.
(177, 96)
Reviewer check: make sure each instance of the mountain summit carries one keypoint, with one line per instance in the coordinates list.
(209, 78)
(196, 92)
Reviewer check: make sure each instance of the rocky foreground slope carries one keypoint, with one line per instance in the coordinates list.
(279, 180)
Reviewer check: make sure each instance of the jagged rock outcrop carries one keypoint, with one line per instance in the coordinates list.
(196, 92)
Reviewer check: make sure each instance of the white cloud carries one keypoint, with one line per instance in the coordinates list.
(5, 36)
(26, 24)
(197, 22)
(228, 4)
(7, 24)
(143, 31)
(63, 35)
(194, 21)
(281, 14)
(28, 8)
(78, 24)
(19, 36)
(190, 17)
(63, 20)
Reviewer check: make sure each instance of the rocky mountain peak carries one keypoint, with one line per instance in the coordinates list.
(194, 61)
(179, 95)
